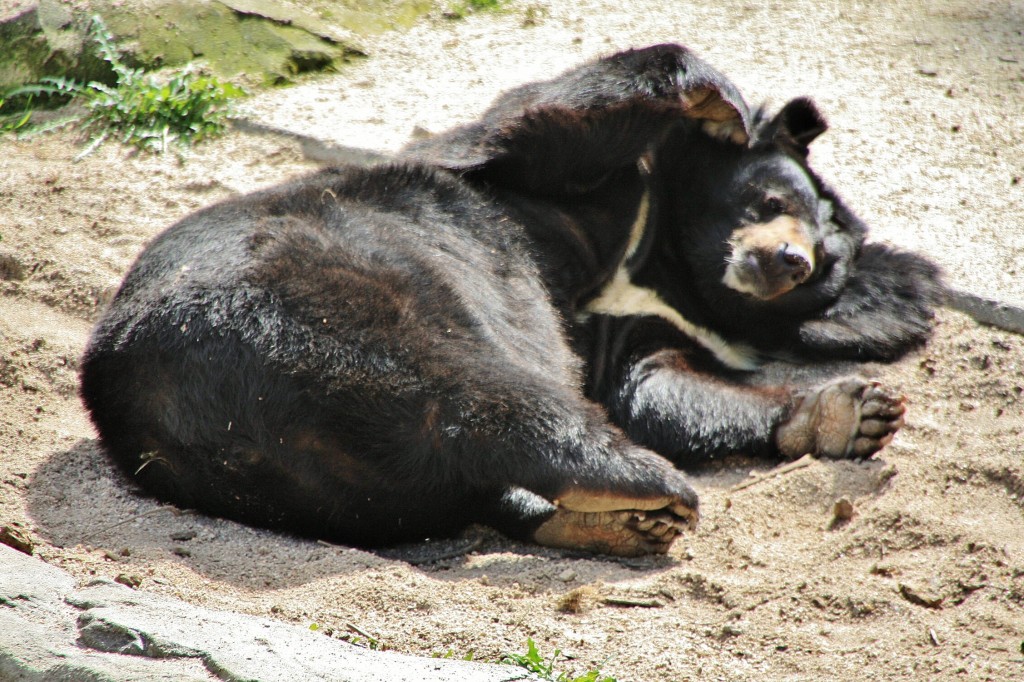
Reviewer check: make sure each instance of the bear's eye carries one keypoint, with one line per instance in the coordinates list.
(774, 206)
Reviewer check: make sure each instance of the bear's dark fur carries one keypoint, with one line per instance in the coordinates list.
(372, 355)
(857, 301)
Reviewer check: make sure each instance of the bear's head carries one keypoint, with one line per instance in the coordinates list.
(749, 231)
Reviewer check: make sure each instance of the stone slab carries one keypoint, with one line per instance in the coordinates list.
(107, 632)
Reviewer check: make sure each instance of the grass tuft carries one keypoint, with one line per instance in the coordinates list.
(462, 8)
(534, 662)
(139, 110)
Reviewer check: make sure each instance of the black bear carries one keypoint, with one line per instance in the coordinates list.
(507, 324)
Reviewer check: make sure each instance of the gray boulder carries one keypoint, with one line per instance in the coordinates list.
(50, 630)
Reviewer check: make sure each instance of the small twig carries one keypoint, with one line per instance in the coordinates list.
(626, 601)
(463, 550)
(324, 543)
(374, 642)
(359, 631)
(774, 473)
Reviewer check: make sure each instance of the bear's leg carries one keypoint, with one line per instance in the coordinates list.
(488, 443)
(689, 416)
(553, 467)
(557, 136)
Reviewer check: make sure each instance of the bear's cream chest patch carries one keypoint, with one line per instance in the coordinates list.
(620, 297)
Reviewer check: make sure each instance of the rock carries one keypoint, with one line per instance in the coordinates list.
(128, 580)
(567, 576)
(45, 40)
(175, 32)
(16, 538)
(732, 630)
(104, 632)
(36, 652)
(920, 597)
(262, 40)
(842, 511)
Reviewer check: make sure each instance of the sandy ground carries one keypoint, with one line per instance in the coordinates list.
(926, 581)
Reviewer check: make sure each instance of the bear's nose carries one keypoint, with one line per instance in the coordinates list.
(794, 262)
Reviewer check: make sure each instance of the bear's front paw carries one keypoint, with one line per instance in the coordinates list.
(843, 419)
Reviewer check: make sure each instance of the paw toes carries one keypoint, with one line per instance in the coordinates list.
(883, 405)
(656, 531)
(865, 447)
(884, 410)
(643, 524)
(659, 533)
(628, 532)
(685, 516)
(659, 525)
(875, 427)
(660, 530)
(874, 390)
(846, 418)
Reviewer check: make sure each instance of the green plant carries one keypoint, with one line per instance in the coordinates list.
(535, 663)
(450, 654)
(461, 8)
(139, 109)
(11, 122)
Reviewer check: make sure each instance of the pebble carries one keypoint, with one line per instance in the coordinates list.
(842, 510)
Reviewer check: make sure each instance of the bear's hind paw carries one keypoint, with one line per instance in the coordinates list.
(619, 533)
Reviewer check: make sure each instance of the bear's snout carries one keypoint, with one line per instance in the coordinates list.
(767, 260)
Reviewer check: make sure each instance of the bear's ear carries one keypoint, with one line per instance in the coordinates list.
(801, 122)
